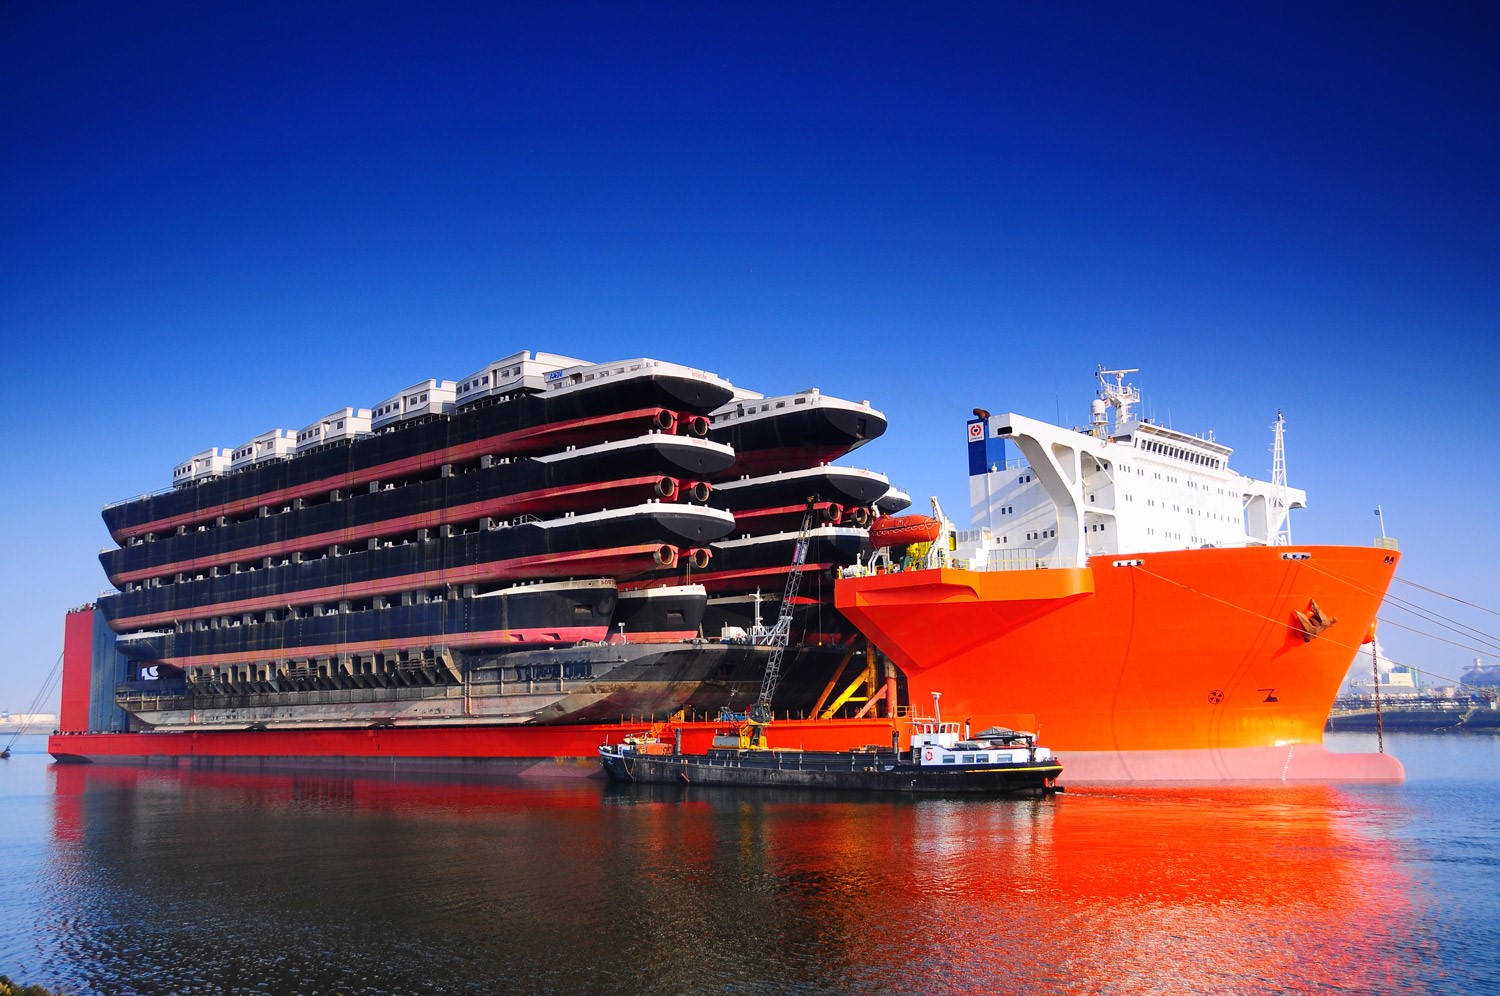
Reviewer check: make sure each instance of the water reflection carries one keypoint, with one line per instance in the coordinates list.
(183, 880)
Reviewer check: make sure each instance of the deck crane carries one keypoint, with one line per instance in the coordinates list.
(754, 720)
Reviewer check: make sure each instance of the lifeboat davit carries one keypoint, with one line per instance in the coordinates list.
(903, 530)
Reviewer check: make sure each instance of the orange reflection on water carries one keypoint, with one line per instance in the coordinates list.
(1170, 891)
(1137, 890)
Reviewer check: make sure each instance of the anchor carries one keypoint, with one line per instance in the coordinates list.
(1313, 621)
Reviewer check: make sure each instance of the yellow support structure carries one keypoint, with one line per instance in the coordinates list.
(838, 673)
(866, 680)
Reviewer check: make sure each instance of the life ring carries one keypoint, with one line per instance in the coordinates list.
(927, 756)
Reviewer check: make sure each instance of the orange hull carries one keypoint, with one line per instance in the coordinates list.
(1166, 664)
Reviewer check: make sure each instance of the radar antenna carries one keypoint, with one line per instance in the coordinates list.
(1119, 395)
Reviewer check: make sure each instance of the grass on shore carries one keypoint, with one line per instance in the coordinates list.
(9, 988)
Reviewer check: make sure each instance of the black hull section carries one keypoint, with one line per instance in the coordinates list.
(584, 546)
(797, 438)
(745, 565)
(598, 683)
(657, 614)
(813, 620)
(538, 614)
(824, 546)
(788, 518)
(618, 475)
(839, 485)
(851, 771)
(679, 393)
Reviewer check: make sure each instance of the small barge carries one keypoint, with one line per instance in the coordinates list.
(941, 760)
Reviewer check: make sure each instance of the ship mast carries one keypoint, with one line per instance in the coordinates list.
(1119, 395)
(1281, 521)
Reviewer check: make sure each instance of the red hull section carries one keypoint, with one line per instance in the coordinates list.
(78, 656)
(1190, 664)
(446, 744)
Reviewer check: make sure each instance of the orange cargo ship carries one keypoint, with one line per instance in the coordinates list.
(1072, 608)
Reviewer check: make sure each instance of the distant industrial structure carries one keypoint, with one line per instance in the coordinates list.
(27, 722)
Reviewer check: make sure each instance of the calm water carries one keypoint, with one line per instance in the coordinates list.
(125, 881)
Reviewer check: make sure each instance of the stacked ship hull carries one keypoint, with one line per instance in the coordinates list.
(780, 474)
(516, 551)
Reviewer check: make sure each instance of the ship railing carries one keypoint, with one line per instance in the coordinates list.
(1021, 559)
(1011, 560)
(991, 560)
(144, 495)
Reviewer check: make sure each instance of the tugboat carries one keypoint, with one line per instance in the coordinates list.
(941, 760)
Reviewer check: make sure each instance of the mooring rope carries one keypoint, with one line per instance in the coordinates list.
(36, 703)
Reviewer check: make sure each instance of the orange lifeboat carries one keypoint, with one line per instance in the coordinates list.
(903, 530)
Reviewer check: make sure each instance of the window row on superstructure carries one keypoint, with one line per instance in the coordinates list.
(1181, 453)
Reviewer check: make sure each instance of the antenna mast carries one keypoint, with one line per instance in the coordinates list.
(1119, 395)
(1281, 522)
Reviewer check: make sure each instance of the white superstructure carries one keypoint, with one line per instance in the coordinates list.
(523, 371)
(344, 424)
(584, 374)
(211, 463)
(747, 406)
(427, 397)
(273, 444)
(1045, 495)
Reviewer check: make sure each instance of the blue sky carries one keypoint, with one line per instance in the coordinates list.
(223, 218)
